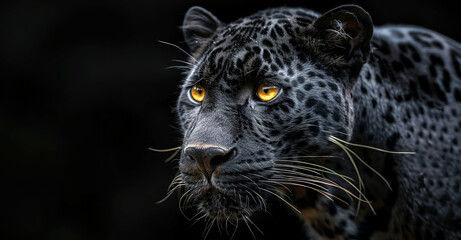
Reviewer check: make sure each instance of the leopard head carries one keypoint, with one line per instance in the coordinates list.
(263, 94)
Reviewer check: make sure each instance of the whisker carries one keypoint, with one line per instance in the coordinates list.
(310, 182)
(176, 149)
(251, 180)
(196, 82)
(218, 225)
(369, 147)
(175, 184)
(181, 207)
(176, 180)
(326, 181)
(282, 180)
(294, 174)
(246, 220)
(361, 184)
(369, 167)
(204, 215)
(267, 180)
(176, 46)
(170, 193)
(325, 193)
(310, 156)
(186, 68)
(330, 171)
(225, 224)
(257, 228)
(281, 198)
(298, 168)
(310, 166)
(235, 229)
(164, 150)
(196, 215)
(261, 199)
(208, 227)
(309, 122)
(184, 62)
(349, 151)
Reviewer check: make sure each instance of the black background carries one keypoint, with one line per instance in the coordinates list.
(85, 89)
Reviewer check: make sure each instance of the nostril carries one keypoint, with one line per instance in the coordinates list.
(221, 159)
(215, 162)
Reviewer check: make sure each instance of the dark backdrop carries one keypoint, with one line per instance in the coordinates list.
(85, 89)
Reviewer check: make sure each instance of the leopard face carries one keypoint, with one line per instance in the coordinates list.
(264, 92)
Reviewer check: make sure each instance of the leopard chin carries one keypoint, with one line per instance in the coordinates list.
(223, 206)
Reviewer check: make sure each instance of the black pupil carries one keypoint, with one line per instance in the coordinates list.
(266, 89)
(199, 90)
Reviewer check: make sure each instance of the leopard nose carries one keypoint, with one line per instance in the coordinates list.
(207, 157)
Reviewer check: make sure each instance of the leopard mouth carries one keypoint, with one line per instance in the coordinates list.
(228, 204)
(224, 196)
(218, 205)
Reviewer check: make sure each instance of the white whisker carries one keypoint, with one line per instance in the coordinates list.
(176, 46)
(184, 62)
(281, 198)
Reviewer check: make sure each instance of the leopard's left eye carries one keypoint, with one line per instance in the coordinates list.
(267, 92)
(197, 93)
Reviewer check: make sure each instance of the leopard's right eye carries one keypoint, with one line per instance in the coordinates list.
(197, 93)
(267, 92)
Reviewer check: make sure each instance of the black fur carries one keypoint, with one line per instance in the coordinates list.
(395, 87)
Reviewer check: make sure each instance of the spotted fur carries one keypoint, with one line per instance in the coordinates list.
(393, 87)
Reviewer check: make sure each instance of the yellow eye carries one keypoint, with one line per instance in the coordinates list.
(197, 92)
(267, 92)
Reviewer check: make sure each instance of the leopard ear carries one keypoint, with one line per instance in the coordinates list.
(199, 25)
(348, 29)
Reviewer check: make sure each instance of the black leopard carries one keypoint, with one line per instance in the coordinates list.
(355, 127)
